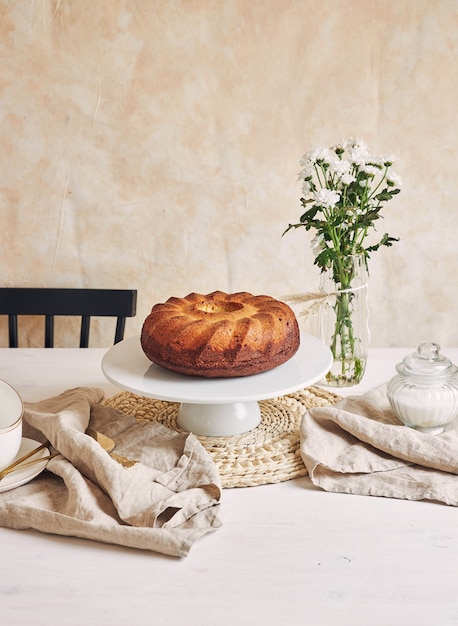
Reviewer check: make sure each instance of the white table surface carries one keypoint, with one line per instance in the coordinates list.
(286, 555)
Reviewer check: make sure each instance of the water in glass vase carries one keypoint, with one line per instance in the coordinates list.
(343, 320)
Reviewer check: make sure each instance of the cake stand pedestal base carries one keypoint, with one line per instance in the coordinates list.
(219, 420)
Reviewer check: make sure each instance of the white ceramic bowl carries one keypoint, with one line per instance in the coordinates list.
(11, 410)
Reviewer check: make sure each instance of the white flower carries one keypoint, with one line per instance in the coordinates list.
(386, 159)
(359, 153)
(394, 180)
(339, 167)
(307, 169)
(306, 188)
(347, 179)
(339, 147)
(318, 154)
(348, 143)
(326, 197)
(371, 170)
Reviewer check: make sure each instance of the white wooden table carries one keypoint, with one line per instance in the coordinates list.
(286, 555)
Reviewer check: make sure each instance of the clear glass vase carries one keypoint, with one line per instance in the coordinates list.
(343, 319)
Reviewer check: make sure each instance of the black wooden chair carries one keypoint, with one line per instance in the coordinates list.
(84, 303)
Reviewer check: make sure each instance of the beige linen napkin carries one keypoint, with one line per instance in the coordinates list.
(163, 502)
(359, 446)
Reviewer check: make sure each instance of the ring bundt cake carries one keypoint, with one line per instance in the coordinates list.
(220, 334)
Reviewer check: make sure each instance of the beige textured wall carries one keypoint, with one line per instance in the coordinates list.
(155, 144)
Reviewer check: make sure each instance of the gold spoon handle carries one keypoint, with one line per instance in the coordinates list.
(16, 467)
(25, 457)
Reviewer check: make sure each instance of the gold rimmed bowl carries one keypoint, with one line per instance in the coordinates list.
(11, 412)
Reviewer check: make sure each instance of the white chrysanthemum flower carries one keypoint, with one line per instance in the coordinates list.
(387, 159)
(326, 197)
(305, 172)
(306, 188)
(394, 179)
(371, 170)
(347, 179)
(339, 167)
(348, 143)
(319, 154)
(339, 147)
(359, 153)
(305, 161)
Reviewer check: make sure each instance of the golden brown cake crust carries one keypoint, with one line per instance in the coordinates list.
(220, 334)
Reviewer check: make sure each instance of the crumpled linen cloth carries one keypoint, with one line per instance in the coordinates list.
(164, 502)
(358, 446)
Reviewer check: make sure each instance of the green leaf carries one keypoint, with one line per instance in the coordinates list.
(384, 195)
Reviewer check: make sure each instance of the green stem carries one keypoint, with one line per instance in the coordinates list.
(374, 191)
(343, 343)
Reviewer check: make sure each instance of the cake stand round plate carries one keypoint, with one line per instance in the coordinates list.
(215, 407)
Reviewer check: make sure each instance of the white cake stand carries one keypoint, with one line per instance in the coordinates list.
(215, 407)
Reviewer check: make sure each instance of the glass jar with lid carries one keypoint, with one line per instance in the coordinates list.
(424, 393)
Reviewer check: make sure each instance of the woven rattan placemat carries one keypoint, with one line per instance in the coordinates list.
(267, 454)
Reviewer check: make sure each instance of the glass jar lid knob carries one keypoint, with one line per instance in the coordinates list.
(427, 361)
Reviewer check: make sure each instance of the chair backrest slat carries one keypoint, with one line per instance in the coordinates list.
(120, 328)
(85, 327)
(12, 331)
(84, 303)
(49, 331)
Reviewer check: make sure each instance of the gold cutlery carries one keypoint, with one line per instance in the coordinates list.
(109, 445)
(105, 442)
(19, 463)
